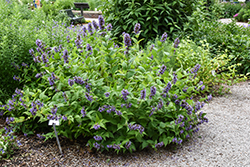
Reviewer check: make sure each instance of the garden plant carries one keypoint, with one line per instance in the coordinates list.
(101, 84)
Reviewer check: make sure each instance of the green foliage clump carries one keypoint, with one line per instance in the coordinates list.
(228, 39)
(120, 98)
(244, 13)
(188, 54)
(232, 8)
(155, 16)
(18, 33)
(93, 4)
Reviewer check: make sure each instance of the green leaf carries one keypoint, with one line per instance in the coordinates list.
(130, 73)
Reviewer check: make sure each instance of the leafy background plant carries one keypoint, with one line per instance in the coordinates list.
(155, 16)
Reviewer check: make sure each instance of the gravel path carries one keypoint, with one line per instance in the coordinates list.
(224, 141)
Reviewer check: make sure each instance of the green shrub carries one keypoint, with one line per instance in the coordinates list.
(93, 4)
(114, 96)
(243, 14)
(188, 54)
(232, 8)
(64, 4)
(155, 16)
(216, 9)
(228, 39)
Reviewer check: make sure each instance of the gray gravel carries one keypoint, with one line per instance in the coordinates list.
(224, 141)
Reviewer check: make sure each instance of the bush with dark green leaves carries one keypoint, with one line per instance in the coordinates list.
(230, 9)
(229, 39)
(155, 16)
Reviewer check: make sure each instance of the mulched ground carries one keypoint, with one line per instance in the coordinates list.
(35, 152)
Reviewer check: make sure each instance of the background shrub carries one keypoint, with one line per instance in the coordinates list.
(155, 17)
(232, 8)
(228, 39)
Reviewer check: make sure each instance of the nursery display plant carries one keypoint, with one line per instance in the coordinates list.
(111, 95)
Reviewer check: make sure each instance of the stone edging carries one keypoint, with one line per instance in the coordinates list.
(88, 14)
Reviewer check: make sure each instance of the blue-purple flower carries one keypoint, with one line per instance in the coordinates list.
(64, 118)
(125, 93)
(96, 126)
(90, 28)
(66, 56)
(158, 145)
(96, 145)
(83, 112)
(167, 88)
(195, 69)
(109, 27)
(163, 69)
(137, 28)
(176, 42)
(143, 94)
(209, 97)
(127, 145)
(107, 94)
(101, 22)
(152, 92)
(136, 127)
(95, 25)
(175, 79)
(127, 39)
(71, 82)
(98, 138)
(164, 37)
(88, 97)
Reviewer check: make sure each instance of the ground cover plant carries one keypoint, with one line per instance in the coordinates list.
(109, 94)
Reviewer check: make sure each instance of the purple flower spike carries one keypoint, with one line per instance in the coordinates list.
(64, 118)
(209, 97)
(152, 92)
(101, 22)
(66, 56)
(107, 94)
(163, 69)
(98, 138)
(143, 94)
(125, 93)
(83, 112)
(164, 37)
(176, 42)
(127, 40)
(167, 88)
(88, 97)
(95, 25)
(127, 145)
(137, 28)
(109, 27)
(96, 126)
(90, 28)
(175, 79)
(71, 82)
